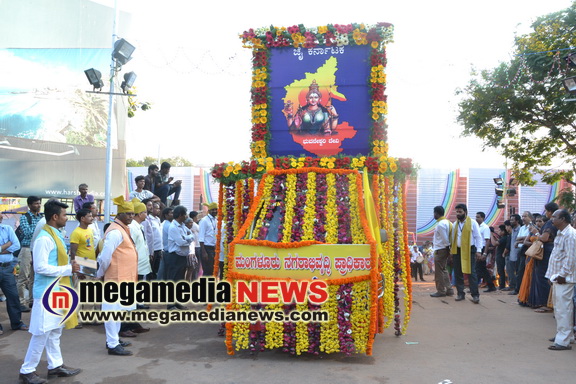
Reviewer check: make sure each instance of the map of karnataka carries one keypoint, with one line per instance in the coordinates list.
(315, 124)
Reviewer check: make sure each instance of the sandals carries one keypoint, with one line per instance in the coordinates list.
(543, 310)
(558, 347)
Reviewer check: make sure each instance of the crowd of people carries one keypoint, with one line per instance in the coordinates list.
(532, 256)
(146, 240)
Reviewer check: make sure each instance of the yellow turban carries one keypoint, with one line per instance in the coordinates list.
(123, 205)
(139, 207)
(211, 206)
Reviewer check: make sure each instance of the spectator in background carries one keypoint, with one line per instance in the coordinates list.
(168, 216)
(207, 239)
(562, 273)
(28, 222)
(94, 225)
(192, 262)
(156, 225)
(523, 235)
(8, 245)
(441, 247)
(196, 232)
(481, 261)
(512, 262)
(164, 188)
(84, 197)
(500, 257)
(416, 261)
(150, 178)
(140, 193)
(179, 240)
(540, 288)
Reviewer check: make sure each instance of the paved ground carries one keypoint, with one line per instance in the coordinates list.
(494, 342)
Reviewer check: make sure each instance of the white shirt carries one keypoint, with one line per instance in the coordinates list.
(441, 235)
(112, 241)
(149, 234)
(196, 233)
(137, 234)
(156, 232)
(208, 230)
(475, 236)
(40, 253)
(523, 232)
(95, 231)
(145, 194)
(179, 239)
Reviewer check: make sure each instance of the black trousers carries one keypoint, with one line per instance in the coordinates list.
(208, 262)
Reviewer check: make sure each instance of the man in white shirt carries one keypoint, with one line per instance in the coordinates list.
(441, 247)
(157, 247)
(481, 262)
(137, 234)
(179, 240)
(465, 248)
(207, 238)
(523, 234)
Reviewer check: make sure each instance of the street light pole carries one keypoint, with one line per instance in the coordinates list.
(108, 184)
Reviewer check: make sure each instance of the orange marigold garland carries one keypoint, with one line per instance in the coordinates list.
(406, 259)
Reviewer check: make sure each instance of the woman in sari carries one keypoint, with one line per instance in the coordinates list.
(540, 287)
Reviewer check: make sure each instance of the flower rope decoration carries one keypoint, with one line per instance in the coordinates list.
(301, 184)
(289, 332)
(358, 236)
(329, 334)
(265, 195)
(274, 330)
(302, 340)
(344, 297)
(321, 204)
(286, 234)
(389, 250)
(361, 315)
(314, 332)
(309, 210)
(331, 210)
(343, 209)
(405, 260)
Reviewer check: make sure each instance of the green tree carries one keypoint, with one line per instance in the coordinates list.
(175, 161)
(520, 106)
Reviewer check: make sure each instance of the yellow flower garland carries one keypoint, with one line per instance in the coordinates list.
(361, 315)
(388, 260)
(358, 235)
(310, 209)
(405, 273)
(302, 341)
(290, 202)
(274, 330)
(331, 216)
(329, 341)
(265, 199)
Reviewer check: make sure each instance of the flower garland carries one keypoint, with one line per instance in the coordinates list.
(264, 193)
(309, 210)
(358, 236)
(360, 317)
(321, 204)
(230, 193)
(285, 233)
(343, 209)
(405, 261)
(314, 333)
(344, 298)
(241, 333)
(302, 340)
(238, 206)
(388, 260)
(274, 330)
(289, 332)
(276, 199)
(229, 173)
(331, 210)
(329, 333)
(297, 219)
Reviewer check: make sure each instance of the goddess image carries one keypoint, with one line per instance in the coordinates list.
(312, 118)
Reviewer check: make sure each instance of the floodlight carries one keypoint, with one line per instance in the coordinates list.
(499, 191)
(498, 180)
(570, 85)
(129, 79)
(511, 192)
(95, 78)
(122, 51)
(500, 204)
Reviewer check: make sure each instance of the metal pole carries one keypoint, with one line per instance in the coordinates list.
(108, 185)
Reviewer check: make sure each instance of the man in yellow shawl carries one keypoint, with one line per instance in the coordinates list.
(465, 248)
(51, 262)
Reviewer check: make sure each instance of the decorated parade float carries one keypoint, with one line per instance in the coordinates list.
(311, 202)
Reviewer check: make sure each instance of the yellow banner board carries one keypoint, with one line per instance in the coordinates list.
(321, 261)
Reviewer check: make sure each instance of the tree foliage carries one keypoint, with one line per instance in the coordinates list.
(175, 161)
(520, 106)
